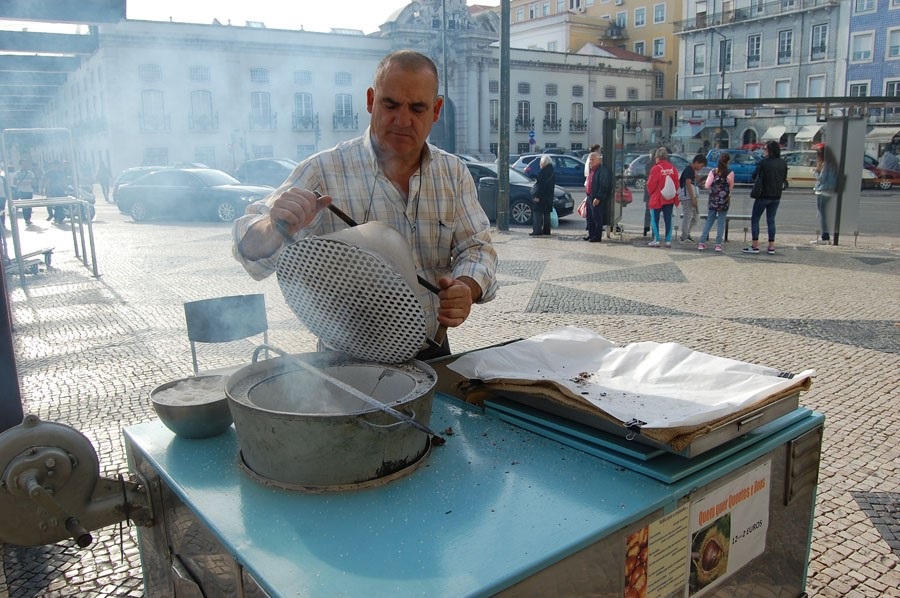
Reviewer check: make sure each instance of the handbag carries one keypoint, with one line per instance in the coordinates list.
(756, 191)
(554, 218)
(582, 208)
(624, 196)
(534, 189)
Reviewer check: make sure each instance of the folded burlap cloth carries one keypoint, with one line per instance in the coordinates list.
(666, 392)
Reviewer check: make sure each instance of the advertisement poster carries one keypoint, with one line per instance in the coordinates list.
(728, 528)
(655, 557)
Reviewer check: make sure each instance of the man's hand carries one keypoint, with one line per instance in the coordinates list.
(457, 296)
(296, 208)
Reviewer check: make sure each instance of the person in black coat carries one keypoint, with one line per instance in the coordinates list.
(543, 198)
(600, 190)
(768, 183)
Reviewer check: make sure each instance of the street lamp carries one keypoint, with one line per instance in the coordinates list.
(722, 70)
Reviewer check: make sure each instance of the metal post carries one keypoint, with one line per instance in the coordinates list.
(503, 150)
(450, 147)
(722, 94)
(10, 396)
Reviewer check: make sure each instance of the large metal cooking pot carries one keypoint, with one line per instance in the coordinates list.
(298, 429)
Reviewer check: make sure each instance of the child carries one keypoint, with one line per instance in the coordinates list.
(719, 182)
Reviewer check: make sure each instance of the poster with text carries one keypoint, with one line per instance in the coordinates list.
(728, 528)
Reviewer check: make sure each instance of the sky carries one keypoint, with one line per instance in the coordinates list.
(312, 15)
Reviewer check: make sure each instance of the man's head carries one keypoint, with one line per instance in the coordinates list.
(404, 104)
(545, 160)
(662, 154)
(594, 160)
(699, 161)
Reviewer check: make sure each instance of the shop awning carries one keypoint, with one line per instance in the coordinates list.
(773, 133)
(882, 134)
(688, 130)
(808, 133)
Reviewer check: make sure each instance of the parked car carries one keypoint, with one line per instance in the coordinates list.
(636, 173)
(265, 171)
(130, 174)
(186, 194)
(743, 163)
(801, 174)
(569, 170)
(520, 204)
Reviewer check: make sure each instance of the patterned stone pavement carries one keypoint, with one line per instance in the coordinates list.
(90, 350)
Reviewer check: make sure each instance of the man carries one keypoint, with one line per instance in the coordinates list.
(392, 175)
(599, 190)
(687, 182)
(23, 183)
(544, 187)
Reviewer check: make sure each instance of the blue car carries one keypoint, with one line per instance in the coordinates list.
(743, 163)
(569, 170)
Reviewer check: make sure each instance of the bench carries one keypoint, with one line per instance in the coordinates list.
(729, 218)
(47, 252)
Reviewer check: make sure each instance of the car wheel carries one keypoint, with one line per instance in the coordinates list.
(640, 182)
(885, 184)
(139, 211)
(226, 211)
(520, 212)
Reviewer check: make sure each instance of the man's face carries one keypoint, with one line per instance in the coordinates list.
(404, 106)
(698, 166)
(595, 161)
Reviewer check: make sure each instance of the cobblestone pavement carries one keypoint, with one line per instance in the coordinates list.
(90, 350)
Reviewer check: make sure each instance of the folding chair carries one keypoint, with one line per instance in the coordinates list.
(224, 319)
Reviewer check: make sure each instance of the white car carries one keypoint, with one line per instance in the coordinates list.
(801, 170)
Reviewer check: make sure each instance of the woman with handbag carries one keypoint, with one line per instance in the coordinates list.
(600, 190)
(543, 198)
(768, 183)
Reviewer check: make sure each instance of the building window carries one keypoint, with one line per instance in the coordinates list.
(343, 79)
(493, 86)
(552, 89)
(785, 46)
(524, 88)
(149, 73)
(861, 47)
(754, 43)
(622, 19)
(657, 118)
(659, 13)
(699, 59)
(343, 112)
(523, 116)
(153, 111)
(156, 156)
(863, 6)
(815, 87)
(659, 85)
(858, 90)
(545, 9)
(782, 90)
(520, 15)
(551, 117)
(892, 89)
(259, 75)
(659, 47)
(640, 48)
(303, 118)
(893, 49)
(577, 112)
(818, 44)
(640, 17)
(495, 115)
(201, 117)
(551, 46)
(751, 91)
(198, 74)
(609, 92)
(631, 93)
(578, 91)
(261, 111)
(533, 10)
(725, 55)
(303, 78)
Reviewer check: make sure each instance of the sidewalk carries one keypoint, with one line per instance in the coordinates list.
(90, 350)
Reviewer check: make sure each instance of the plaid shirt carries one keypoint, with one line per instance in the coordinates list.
(443, 222)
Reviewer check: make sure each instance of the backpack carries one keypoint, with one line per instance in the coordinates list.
(719, 193)
(668, 191)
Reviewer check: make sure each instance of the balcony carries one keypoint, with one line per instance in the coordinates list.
(301, 121)
(524, 125)
(758, 11)
(784, 57)
(155, 122)
(753, 61)
(613, 32)
(817, 52)
(345, 122)
(552, 125)
(578, 126)
(263, 122)
(203, 122)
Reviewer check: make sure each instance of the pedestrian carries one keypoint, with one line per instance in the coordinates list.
(587, 163)
(826, 184)
(599, 190)
(662, 183)
(687, 182)
(542, 198)
(768, 183)
(392, 175)
(103, 177)
(651, 160)
(888, 160)
(55, 186)
(719, 183)
(23, 183)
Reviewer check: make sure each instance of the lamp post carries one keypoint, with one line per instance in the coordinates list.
(722, 70)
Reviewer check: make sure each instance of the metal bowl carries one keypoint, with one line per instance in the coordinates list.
(194, 407)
